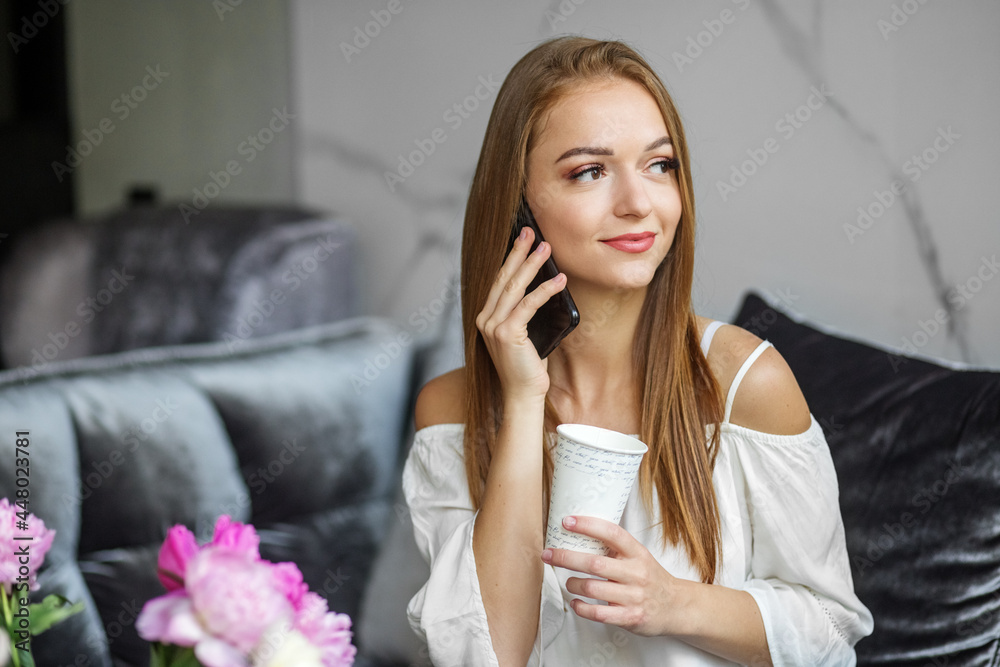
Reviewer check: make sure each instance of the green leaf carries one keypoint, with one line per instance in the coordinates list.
(172, 656)
(25, 657)
(53, 609)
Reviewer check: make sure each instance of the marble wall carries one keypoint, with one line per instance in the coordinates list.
(844, 153)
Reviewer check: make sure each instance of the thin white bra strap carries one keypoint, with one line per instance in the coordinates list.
(739, 377)
(706, 338)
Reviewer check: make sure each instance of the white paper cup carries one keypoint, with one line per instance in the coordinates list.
(594, 471)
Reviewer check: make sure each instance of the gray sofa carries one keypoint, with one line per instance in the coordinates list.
(226, 372)
(124, 446)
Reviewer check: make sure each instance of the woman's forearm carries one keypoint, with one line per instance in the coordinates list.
(507, 538)
(723, 621)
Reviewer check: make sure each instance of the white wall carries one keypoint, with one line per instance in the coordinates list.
(783, 231)
(226, 71)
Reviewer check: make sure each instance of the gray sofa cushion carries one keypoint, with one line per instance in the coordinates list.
(153, 452)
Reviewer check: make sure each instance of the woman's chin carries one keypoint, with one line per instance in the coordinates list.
(618, 283)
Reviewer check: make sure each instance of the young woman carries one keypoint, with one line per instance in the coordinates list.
(731, 548)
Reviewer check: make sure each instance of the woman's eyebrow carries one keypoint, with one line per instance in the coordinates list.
(585, 150)
(599, 150)
(662, 141)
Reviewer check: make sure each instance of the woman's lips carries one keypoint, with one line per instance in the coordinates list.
(632, 242)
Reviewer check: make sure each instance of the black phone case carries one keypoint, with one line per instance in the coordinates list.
(558, 316)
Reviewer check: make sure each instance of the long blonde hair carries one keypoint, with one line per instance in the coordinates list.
(679, 396)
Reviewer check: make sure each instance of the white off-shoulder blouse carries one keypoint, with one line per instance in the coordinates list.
(782, 542)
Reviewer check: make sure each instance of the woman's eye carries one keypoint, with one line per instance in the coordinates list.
(588, 174)
(665, 165)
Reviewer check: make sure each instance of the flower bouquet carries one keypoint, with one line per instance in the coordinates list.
(24, 541)
(226, 607)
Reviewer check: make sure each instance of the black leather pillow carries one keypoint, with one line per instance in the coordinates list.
(916, 446)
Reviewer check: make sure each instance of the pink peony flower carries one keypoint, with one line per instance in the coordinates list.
(238, 610)
(229, 601)
(12, 527)
(236, 536)
(179, 547)
(235, 596)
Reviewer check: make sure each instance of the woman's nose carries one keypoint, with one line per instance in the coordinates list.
(631, 198)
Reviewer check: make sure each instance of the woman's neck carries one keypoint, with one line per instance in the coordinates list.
(594, 362)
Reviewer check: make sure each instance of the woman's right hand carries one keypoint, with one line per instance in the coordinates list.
(503, 321)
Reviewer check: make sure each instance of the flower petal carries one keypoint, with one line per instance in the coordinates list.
(288, 649)
(179, 547)
(213, 652)
(170, 619)
(288, 579)
(236, 536)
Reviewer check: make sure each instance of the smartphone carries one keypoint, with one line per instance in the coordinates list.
(558, 316)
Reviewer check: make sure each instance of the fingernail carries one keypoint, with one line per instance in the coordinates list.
(524, 233)
(540, 246)
(547, 555)
(569, 521)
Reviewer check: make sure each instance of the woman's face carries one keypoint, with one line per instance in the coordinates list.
(603, 187)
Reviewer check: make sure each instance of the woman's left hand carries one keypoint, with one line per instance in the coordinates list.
(642, 597)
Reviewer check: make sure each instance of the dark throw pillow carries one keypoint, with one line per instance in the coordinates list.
(916, 446)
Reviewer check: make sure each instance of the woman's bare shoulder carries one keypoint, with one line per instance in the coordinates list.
(442, 400)
(768, 398)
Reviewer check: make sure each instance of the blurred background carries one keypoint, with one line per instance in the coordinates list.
(844, 153)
